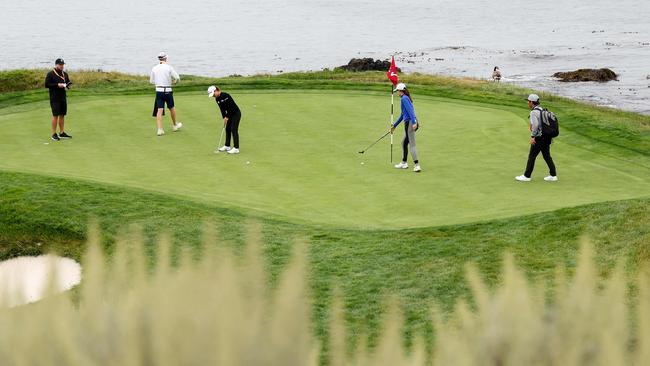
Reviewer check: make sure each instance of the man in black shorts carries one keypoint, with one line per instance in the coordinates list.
(57, 81)
(163, 76)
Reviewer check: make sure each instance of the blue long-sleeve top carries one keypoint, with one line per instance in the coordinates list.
(408, 113)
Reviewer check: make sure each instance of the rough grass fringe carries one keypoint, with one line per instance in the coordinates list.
(220, 310)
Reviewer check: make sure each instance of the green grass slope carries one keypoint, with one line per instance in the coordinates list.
(370, 229)
(40, 214)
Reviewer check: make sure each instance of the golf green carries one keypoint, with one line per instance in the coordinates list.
(299, 158)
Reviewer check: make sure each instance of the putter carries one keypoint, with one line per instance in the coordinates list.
(374, 143)
(220, 137)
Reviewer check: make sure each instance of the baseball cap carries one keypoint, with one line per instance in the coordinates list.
(59, 61)
(162, 55)
(400, 86)
(211, 91)
(533, 98)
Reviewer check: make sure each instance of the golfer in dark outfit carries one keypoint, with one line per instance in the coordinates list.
(57, 81)
(231, 117)
(538, 143)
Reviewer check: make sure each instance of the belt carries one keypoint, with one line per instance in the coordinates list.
(164, 89)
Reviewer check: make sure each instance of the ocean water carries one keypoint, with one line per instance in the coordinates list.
(529, 41)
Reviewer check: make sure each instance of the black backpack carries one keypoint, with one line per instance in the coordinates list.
(550, 124)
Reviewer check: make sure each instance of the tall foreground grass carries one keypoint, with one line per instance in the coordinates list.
(220, 310)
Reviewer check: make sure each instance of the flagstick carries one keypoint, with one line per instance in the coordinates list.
(392, 95)
(392, 76)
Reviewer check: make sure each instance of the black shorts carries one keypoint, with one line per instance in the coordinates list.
(59, 107)
(163, 98)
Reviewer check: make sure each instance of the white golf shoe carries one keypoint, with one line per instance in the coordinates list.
(160, 132)
(417, 168)
(402, 165)
(551, 178)
(233, 151)
(223, 148)
(522, 178)
(177, 126)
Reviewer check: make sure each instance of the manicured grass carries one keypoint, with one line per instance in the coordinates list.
(625, 131)
(299, 159)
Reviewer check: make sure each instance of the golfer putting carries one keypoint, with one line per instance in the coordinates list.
(410, 127)
(163, 76)
(231, 115)
(57, 81)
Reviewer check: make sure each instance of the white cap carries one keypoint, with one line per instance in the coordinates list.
(162, 55)
(400, 87)
(533, 98)
(211, 91)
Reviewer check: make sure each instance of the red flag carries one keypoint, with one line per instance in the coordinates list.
(392, 72)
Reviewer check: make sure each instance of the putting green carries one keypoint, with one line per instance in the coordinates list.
(304, 166)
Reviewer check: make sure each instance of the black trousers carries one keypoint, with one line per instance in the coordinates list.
(232, 129)
(544, 146)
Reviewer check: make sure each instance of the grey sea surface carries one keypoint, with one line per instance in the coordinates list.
(528, 40)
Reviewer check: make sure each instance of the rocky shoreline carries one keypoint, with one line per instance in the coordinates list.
(367, 64)
(581, 75)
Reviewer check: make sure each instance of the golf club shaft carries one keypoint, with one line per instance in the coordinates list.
(374, 143)
(221, 137)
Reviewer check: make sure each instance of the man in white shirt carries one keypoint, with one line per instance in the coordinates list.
(163, 76)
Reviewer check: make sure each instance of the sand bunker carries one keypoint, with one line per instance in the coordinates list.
(25, 280)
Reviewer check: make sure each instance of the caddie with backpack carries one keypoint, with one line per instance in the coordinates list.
(543, 128)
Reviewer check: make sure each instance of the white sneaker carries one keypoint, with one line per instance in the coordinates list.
(177, 126)
(402, 165)
(551, 178)
(233, 151)
(417, 168)
(223, 148)
(160, 132)
(523, 178)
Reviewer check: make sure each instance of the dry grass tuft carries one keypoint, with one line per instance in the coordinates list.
(220, 310)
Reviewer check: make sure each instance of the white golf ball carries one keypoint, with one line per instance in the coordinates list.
(248, 162)
(362, 163)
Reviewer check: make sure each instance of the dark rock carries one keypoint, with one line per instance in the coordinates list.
(367, 64)
(599, 75)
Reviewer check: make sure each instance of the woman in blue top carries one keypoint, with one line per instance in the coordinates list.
(410, 126)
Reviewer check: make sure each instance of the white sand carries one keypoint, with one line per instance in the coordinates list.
(24, 280)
